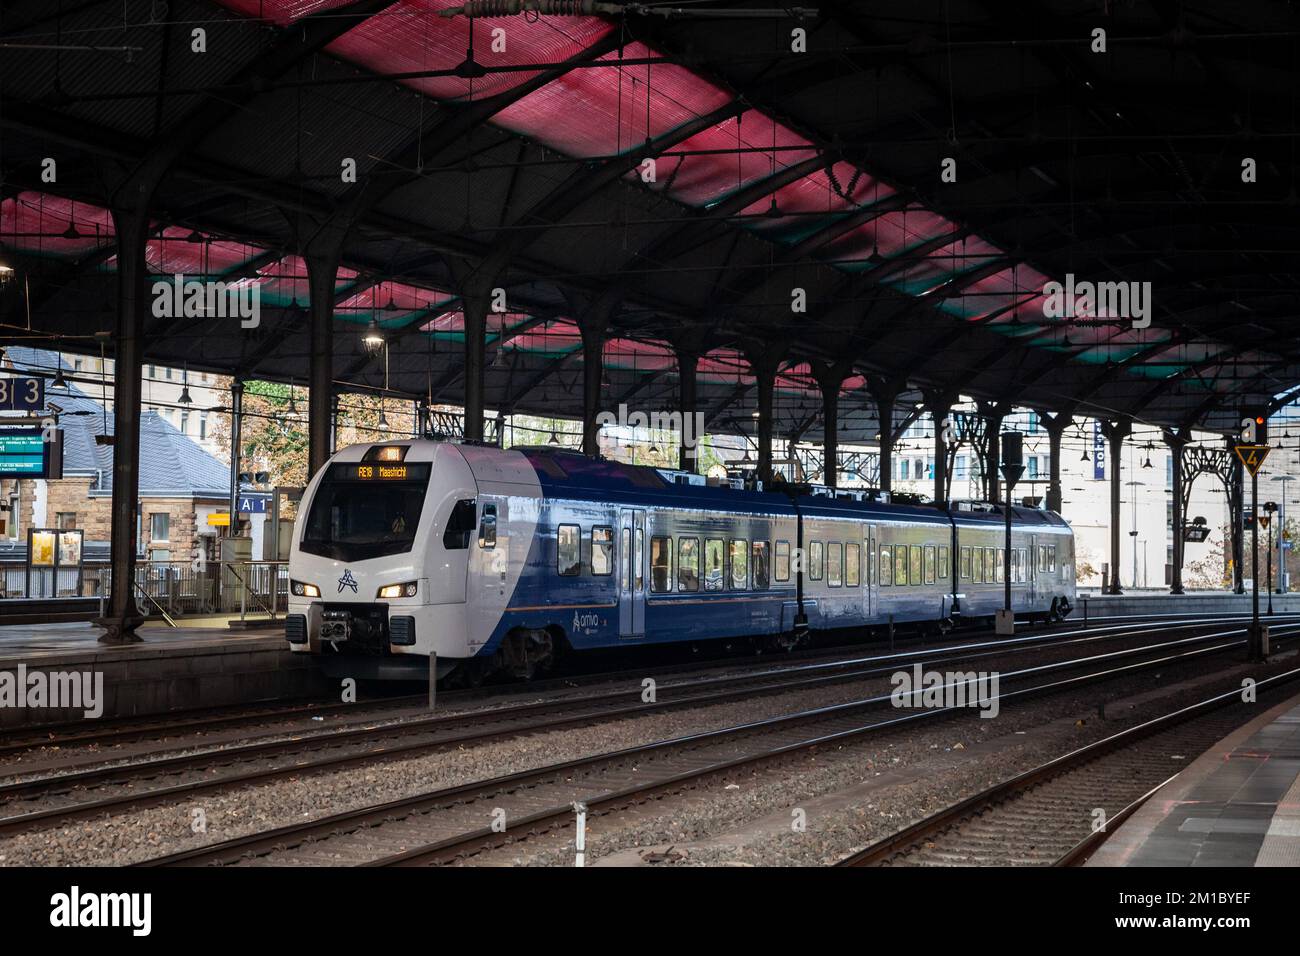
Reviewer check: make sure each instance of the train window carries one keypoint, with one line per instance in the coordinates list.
(965, 563)
(886, 567)
(815, 552)
(914, 565)
(638, 561)
(834, 564)
(1024, 564)
(688, 564)
(900, 564)
(1000, 569)
(990, 567)
(852, 565)
(625, 562)
(1051, 559)
(1042, 557)
(739, 564)
(945, 569)
(929, 564)
(783, 561)
(759, 563)
(459, 526)
(715, 550)
(568, 551)
(602, 550)
(661, 564)
(1015, 566)
(487, 531)
(977, 565)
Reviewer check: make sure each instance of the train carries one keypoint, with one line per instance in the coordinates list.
(499, 562)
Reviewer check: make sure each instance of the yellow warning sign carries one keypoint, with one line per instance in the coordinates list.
(221, 520)
(1252, 456)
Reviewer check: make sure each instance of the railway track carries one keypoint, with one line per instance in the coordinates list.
(244, 723)
(163, 780)
(449, 825)
(1045, 816)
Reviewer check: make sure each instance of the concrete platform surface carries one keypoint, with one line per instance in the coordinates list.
(171, 669)
(1238, 804)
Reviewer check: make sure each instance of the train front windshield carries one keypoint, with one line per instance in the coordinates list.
(366, 510)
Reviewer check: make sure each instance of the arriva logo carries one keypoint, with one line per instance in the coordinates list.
(347, 581)
(586, 623)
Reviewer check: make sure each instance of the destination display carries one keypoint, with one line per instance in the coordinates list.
(23, 453)
(380, 472)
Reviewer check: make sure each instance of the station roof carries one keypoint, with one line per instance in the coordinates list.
(777, 175)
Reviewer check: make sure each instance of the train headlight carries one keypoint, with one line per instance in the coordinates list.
(399, 590)
(303, 589)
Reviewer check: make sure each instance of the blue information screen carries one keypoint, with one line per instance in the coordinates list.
(25, 394)
(23, 453)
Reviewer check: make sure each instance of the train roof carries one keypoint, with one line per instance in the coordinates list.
(566, 473)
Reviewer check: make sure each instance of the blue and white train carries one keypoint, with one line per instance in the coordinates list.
(500, 561)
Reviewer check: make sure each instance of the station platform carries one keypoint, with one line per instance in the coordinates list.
(1236, 805)
(1191, 603)
(171, 669)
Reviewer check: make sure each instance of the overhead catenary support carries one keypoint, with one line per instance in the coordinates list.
(593, 323)
(885, 395)
(322, 273)
(1177, 441)
(939, 405)
(764, 362)
(131, 225)
(830, 378)
(1115, 433)
(236, 438)
(1056, 426)
(688, 361)
(993, 414)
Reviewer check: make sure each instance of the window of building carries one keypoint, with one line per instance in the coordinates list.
(886, 567)
(661, 564)
(759, 564)
(602, 550)
(159, 527)
(904, 467)
(783, 560)
(739, 564)
(67, 521)
(185, 421)
(852, 565)
(203, 425)
(715, 553)
(834, 564)
(688, 564)
(815, 560)
(568, 550)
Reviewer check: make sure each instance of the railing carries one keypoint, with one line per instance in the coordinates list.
(171, 588)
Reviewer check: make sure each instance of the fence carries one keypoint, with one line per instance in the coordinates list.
(173, 587)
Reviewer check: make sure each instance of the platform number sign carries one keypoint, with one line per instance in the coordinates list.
(1252, 456)
(22, 394)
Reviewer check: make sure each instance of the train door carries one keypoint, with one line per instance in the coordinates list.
(631, 573)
